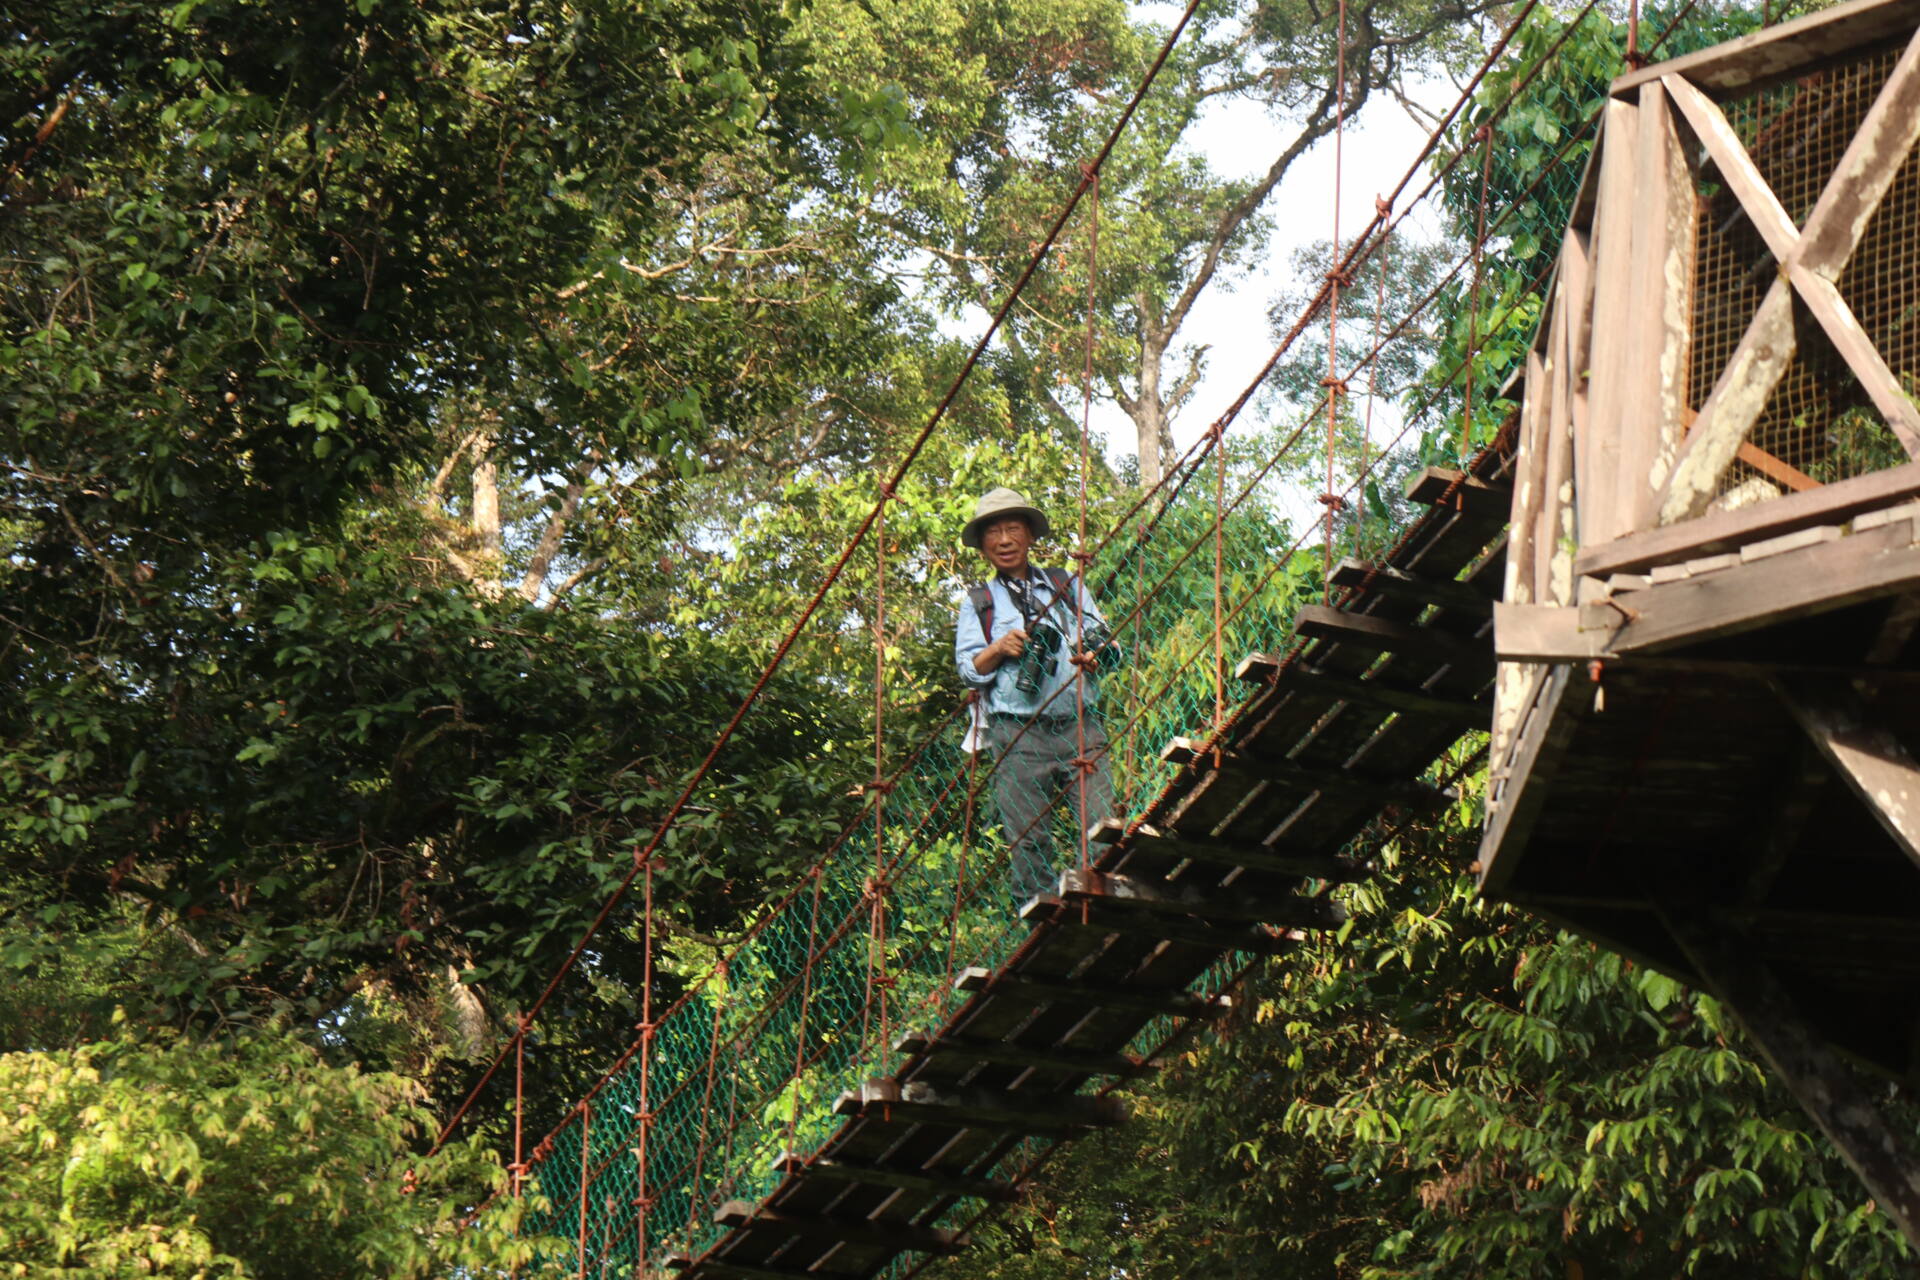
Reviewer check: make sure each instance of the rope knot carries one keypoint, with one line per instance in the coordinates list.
(1084, 660)
(874, 887)
(1082, 555)
(1342, 277)
(1088, 172)
(1483, 134)
(1335, 386)
(880, 785)
(886, 491)
(1383, 206)
(885, 981)
(1332, 501)
(1085, 764)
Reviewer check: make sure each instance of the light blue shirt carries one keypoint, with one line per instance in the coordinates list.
(997, 685)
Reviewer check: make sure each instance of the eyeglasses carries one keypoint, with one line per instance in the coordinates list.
(1004, 526)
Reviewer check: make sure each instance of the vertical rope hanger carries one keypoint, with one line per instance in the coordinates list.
(1083, 659)
(878, 980)
(1383, 211)
(1484, 135)
(1330, 500)
(642, 1202)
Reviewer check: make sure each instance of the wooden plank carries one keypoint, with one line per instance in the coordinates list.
(1010, 1110)
(1338, 626)
(1530, 467)
(1780, 52)
(1729, 530)
(1597, 453)
(1253, 857)
(1094, 995)
(1447, 593)
(1828, 575)
(1450, 490)
(1008, 1053)
(1780, 473)
(722, 1269)
(896, 1236)
(1556, 473)
(1866, 171)
(1863, 751)
(1249, 769)
(1547, 633)
(1389, 696)
(1100, 916)
(1831, 1091)
(1662, 267)
(1549, 728)
(931, 1182)
(1175, 898)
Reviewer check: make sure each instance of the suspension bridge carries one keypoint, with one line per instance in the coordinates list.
(893, 1047)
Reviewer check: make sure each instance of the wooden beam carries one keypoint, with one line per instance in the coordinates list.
(1721, 531)
(1338, 626)
(1103, 917)
(1013, 1111)
(1452, 490)
(1249, 769)
(1390, 696)
(1823, 576)
(931, 1182)
(1171, 897)
(1661, 341)
(1095, 995)
(1781, 52)
(1229, 853)
(1446, 593)
(1863, 751)
(1524, 787)
(1596, 464)
(1826, 1086)
(1007, 1053)
(722, 1269)
(897, 1236)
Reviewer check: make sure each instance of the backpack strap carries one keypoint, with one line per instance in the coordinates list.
(982, 605)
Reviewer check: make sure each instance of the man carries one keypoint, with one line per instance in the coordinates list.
(1032, 709)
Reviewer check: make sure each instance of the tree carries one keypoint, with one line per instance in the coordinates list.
(248, 1159)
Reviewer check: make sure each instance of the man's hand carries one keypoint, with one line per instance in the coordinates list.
(1010, 645)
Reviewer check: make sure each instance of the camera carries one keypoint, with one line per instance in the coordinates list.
(1097, 640)
(1044, 643)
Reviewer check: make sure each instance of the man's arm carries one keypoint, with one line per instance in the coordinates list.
(974, 657)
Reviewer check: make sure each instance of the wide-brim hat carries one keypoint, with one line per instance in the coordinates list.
(1003, 502)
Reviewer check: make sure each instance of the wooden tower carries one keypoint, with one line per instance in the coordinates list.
(1708, 703)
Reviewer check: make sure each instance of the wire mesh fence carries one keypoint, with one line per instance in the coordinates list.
(743, 1073)
(1819, 425)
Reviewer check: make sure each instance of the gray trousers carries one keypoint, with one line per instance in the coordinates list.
(1035, 770)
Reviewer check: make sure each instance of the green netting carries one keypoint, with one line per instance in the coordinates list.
(748, 1067)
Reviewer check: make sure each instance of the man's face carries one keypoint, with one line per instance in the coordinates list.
(1006, 542)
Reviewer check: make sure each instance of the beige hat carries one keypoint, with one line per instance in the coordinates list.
(1003, 502)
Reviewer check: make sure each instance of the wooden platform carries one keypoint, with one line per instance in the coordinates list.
(1228, 866)
(1709, 684)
